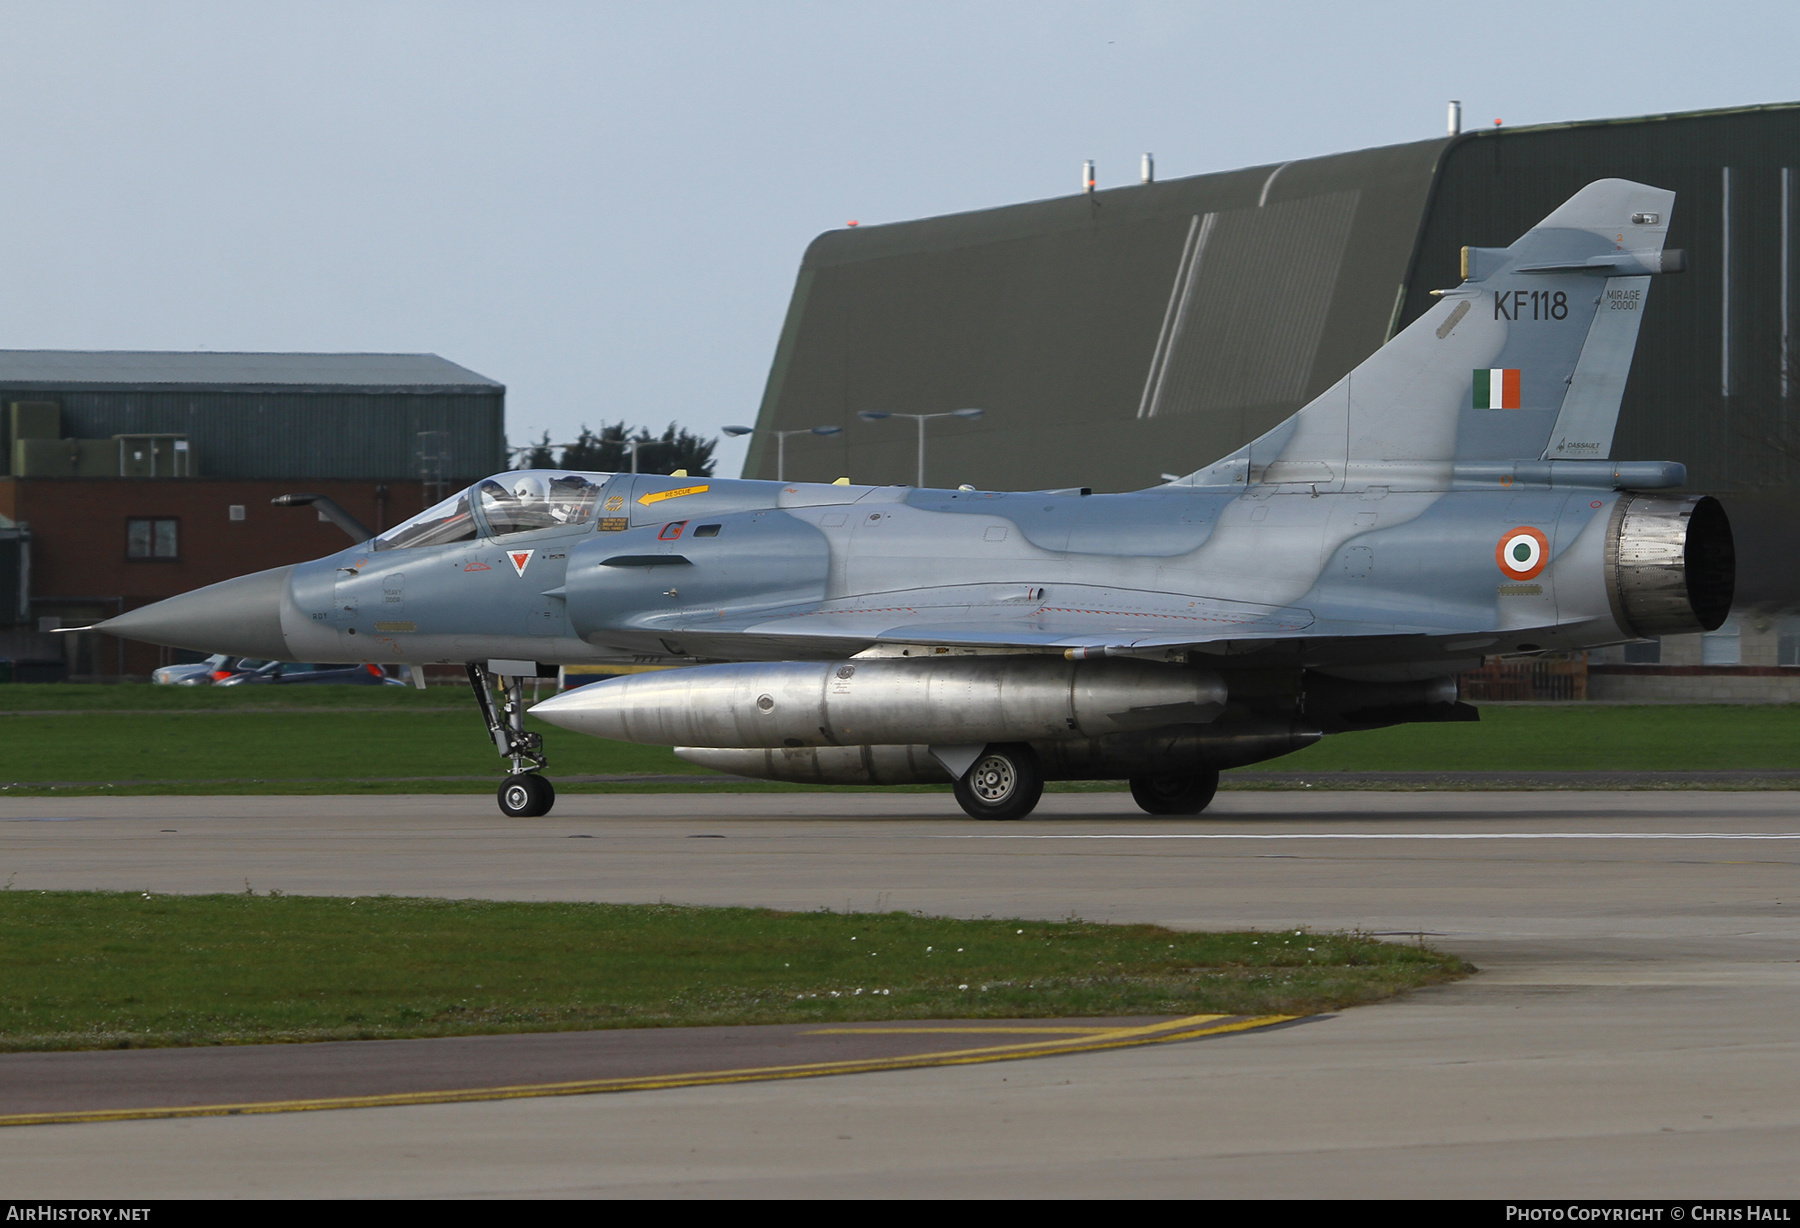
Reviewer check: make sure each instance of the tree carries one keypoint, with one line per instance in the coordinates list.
(604, 451)
(678, 449)
(536, 456)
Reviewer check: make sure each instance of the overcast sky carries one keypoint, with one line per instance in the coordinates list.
(604, 205)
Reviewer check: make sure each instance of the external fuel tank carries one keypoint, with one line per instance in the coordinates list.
(891, 702)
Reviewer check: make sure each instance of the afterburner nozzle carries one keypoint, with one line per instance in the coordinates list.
(241, 617)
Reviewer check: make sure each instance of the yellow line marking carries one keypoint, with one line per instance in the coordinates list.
(972, 1031)
(660, 495)
(1191, 1027)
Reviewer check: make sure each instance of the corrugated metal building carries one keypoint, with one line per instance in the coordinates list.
(1117, 335)
(284, 416)
(1125, 333)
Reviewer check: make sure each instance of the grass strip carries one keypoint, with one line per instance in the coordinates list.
(88, 970)
(298, 746)
(1571, 737)
(382, 739)
(35, 697)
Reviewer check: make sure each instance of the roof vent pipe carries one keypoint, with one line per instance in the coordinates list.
(1087, 175)
(1149, 172)
(1455, 116)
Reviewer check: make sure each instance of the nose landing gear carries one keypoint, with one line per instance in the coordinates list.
(524, 794)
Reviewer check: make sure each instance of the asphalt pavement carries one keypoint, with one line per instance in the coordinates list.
(1634, 1031)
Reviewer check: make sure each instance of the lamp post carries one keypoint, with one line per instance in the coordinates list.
(781, 438)
(517, 449)
(876, 415)
(632, 445)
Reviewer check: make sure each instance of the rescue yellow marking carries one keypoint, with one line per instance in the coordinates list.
(660, 495)
(1192, 1027)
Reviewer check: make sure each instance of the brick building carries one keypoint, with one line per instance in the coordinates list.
(131, 477)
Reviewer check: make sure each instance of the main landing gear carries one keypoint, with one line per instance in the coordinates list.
(524, 794)
(1175, 792)
(1005, 782)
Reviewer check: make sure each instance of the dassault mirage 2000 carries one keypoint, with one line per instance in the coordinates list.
(1449, 498)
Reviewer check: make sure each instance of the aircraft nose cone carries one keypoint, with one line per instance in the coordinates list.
(241, 617)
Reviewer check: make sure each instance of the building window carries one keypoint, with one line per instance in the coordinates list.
(236, 511)
(1787, 650)
(147, 538)
(1648, 653)
(1721, 647)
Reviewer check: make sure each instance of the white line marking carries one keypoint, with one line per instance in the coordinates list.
(1496, 835)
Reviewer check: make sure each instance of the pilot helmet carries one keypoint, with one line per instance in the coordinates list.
(530, 488)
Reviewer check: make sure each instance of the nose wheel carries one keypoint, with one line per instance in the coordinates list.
(526, 796)
(523, 794)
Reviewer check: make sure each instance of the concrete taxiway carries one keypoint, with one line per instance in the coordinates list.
(1634, 1032)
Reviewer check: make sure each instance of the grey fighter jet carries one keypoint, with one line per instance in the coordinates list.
(1450, 498)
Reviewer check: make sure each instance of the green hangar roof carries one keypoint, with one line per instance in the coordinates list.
(266, 416)
(1114, 336)
(24, 370)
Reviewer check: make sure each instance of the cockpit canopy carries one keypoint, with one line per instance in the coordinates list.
(514, 502)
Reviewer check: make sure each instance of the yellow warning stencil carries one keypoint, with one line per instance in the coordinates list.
(660, 495)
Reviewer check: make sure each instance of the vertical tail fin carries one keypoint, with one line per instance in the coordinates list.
(1526, 359)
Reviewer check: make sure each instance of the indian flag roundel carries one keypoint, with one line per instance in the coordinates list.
(1522, 553)
(1497, 388)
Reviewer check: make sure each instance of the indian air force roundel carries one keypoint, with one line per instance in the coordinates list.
(1522, 553)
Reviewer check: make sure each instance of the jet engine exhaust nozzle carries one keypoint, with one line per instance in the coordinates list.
(1671, 568)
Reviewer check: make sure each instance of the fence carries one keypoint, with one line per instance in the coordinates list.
(1549, 677)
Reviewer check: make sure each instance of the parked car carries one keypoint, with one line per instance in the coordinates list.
(215, 668)
(290, 672)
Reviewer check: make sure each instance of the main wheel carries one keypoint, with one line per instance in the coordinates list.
(526, 796)
(1175, 792)
(1004, 783)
